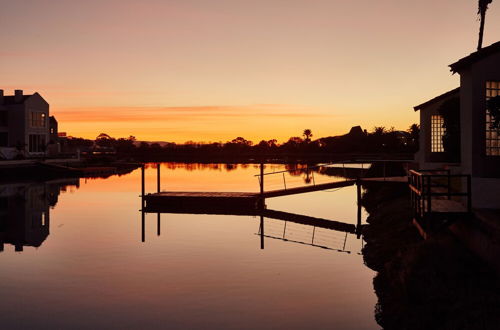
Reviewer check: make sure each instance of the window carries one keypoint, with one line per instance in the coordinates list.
(492, 134)
(437, 132)
(37, 119)
(36, 143)
(3, 118)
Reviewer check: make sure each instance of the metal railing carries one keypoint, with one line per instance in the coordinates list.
(428, 184)
(307, 170)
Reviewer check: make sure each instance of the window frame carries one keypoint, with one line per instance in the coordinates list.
(437, 133)
(492, 135)
(38, 119)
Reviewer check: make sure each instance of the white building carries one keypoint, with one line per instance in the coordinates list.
(479, 143)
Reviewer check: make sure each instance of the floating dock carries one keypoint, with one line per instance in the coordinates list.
(245, 200)
(237, 202)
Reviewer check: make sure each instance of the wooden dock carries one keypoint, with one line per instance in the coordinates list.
(251, 203)
(230, 199)
(196, 199)
(238, 202)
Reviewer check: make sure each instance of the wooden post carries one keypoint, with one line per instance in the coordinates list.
(261, 180)
(158, 224)
(143, 213)
(261, 184)
(143, 226)
(262, 232)
(158, 177)
(143, 184)
(358, 190)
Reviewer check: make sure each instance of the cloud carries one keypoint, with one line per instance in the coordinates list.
(129, 114)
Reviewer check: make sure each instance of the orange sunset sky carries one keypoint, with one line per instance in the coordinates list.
(213, 70)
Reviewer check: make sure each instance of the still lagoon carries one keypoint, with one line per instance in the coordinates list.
(73, 256)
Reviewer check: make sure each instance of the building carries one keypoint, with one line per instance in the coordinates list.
(471, 143)
(24, 124)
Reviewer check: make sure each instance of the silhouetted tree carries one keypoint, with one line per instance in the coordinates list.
(379, 130)
(481, 11)
(272, 143)
(450, 111)
(104, 140)
(242, 141)
(414, 131)
(307, 135)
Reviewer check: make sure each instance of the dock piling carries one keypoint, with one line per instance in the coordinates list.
(158, 222)
(158, 177)
(143, 226)
(143, 188)
(262, 232)
(358, 193)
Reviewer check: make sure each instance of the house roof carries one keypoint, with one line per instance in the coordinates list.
(474, 57)
(437, 99)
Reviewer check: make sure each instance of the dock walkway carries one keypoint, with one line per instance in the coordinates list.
(153, 202)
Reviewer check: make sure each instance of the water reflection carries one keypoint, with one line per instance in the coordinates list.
(25, 211)
(279, 225)
(220, 204)
(315, 236)
(93, 271)
(305, 171)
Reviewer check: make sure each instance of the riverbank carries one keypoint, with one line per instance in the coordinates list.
(38, 170)
(424, 284)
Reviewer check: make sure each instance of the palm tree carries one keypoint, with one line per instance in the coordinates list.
(481, 11)
(307, 134)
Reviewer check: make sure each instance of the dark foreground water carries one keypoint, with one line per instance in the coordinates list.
(73, 257)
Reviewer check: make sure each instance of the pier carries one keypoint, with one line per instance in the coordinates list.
(155, 202)
(253, 203)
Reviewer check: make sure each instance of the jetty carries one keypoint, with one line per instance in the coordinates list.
(240, 201)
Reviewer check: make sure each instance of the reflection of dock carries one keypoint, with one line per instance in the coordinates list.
(252, 211)
(321, 232)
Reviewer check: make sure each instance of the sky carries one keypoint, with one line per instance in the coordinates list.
(212, 70)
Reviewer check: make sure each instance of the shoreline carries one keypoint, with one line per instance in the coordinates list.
(436, 283)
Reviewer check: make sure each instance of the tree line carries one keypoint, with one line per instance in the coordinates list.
(379, 140)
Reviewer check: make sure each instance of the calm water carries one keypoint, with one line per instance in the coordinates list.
(80, 262)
